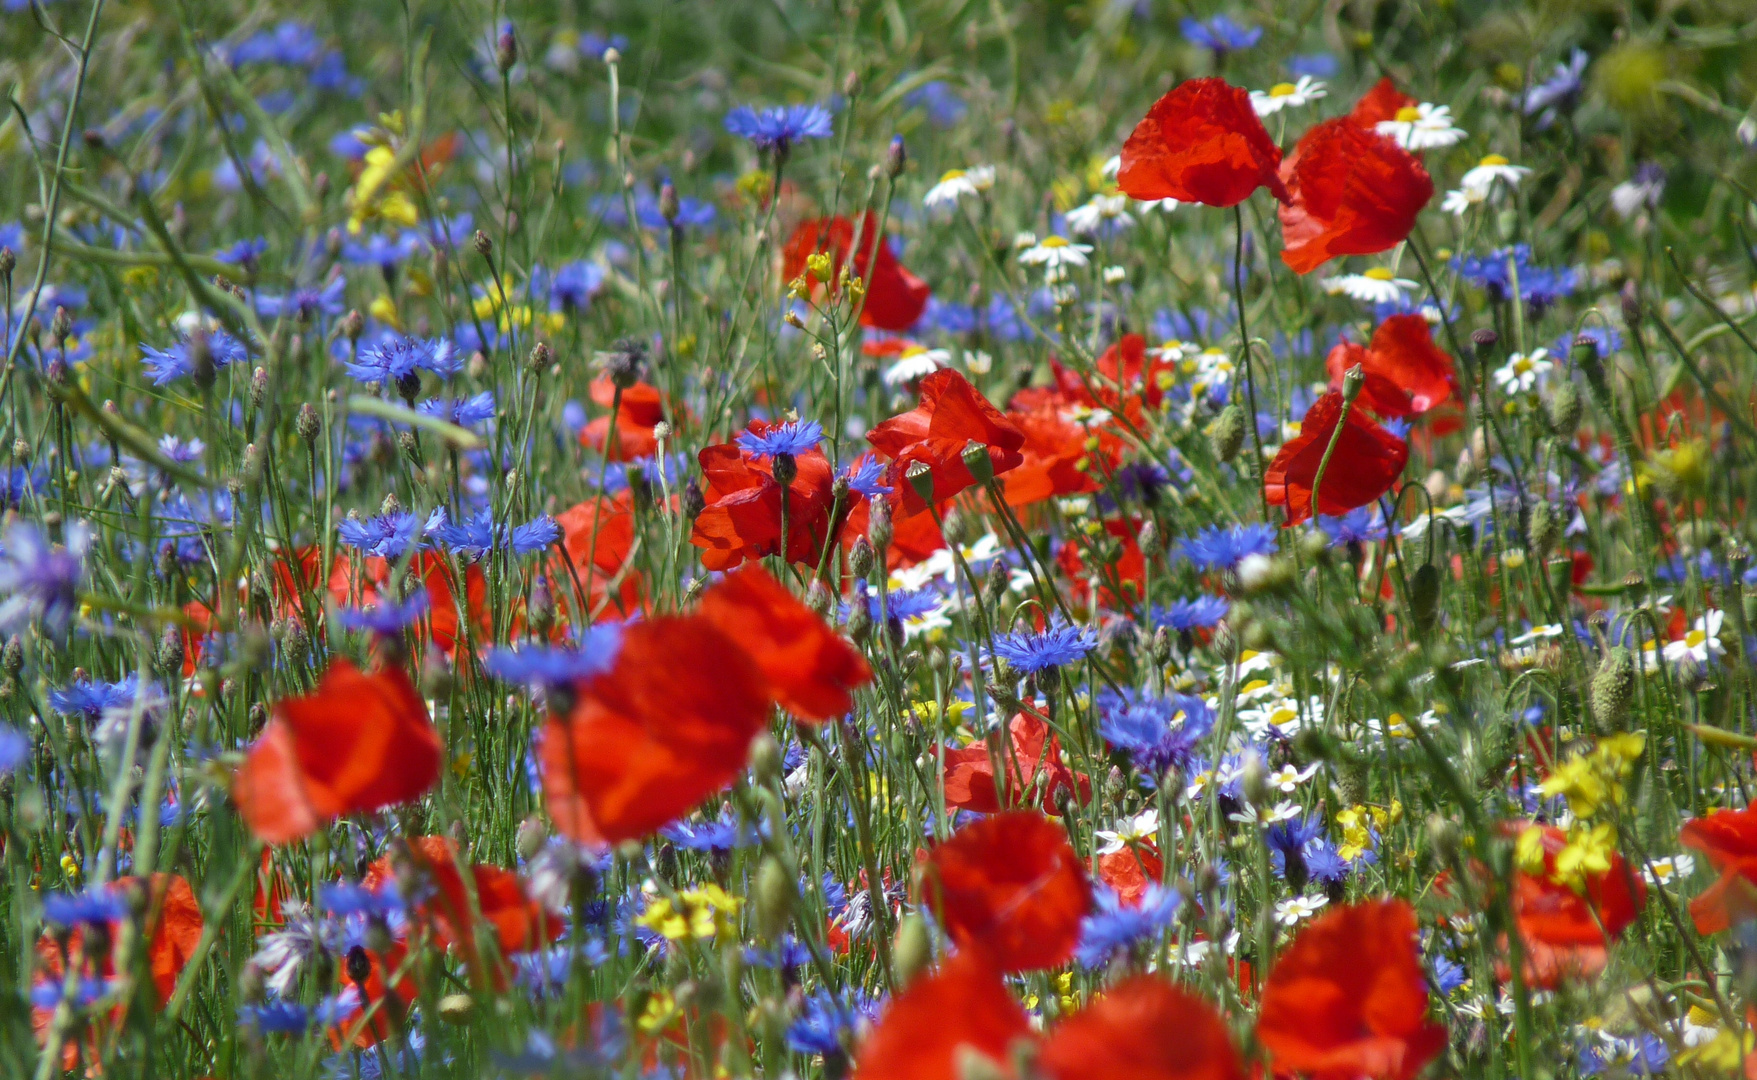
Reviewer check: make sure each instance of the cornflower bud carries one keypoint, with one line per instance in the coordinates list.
(896, 157)
(308, 424)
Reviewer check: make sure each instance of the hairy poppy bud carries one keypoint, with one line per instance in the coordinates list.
(1424, 599)
(1254, 779)
(912, 950)
(1630, 301)
(1544, 529)
(1613, 686)
(1226, 435)
(955, 527)
(456, 1008)
(775, 894)
(1563, 409)
(765, 759)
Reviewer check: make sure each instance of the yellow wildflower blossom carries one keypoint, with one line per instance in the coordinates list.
(706, 911)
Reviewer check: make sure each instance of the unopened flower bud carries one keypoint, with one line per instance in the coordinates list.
(456, 1008)
(484, 246)
(669, 204)
(1563, 409)
(765, 759)
(775, 893)
(353, 324)
(1544, 528)
(308, 424)
(1352, 380)
(506, 50)
(912, 950)
(878, 526)
(785, 468)
(896, 157)
(860, 557)
(1226, 435)
(1613, 687)
(1630, 301)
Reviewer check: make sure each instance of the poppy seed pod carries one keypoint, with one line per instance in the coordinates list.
(1484, 342)
(1226, 435)
(1613, 687)
(920, 477)
(976, 459)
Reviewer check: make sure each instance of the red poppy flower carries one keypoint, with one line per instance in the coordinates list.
(1011, 887)
(363, 586)
(640, 412)
(1352, 192)
(1049, 458)
(1562, 937)
(1347, 1000)
(1119, 580)
(929, 1029)
(952, 414)
(1200, 143)
(1143, 1028)
(970, 770)
(360, 743)
(668, 725)
(1366, 463)
(598, 536)
(387, 1002)
(1131, 870)
(811, 670)
(895, 298)
(1729, 839)
(742, 518)
(1406, 373)
(519, 923)
(914, 538)
(1381, 103)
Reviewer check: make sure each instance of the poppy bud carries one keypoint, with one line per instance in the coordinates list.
(978, 461)
(896, 157)
(540, 609)
(1544, 529)
(669, 204)
(860, 557)
(775, 894)
(998, 581)
(858, 625)
(1443, 834)
(1226, 435)
(456, 1008)
(1563, 409)
(818, 598)
(912, 950)
(765, 759)
(785, 467)
(1254, 779)
(1612, 689)
(484, 246)
(1424, 599)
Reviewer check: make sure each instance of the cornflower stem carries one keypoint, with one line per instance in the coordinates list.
(1244, 344)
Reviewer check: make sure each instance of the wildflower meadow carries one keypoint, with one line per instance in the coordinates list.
(878, 539)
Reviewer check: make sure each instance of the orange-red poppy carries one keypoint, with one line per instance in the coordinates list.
(1200, 143)
(970, 770)
(743, 516)
(640, 412)
(895, 298)
(1380, 104)
(1406, 373)
(951, 415)
(668, 725)
(1143, 1028)
(1566, 933)
(1049, 458)
(939, 1021)
(1011, 887)
(519, 923)
(364, 585)
(1729, 839)
(1127, 572)
(811, 670)
(386, 1001)
(1131, 870)
(1365, 464)
(360, 743)
(1348, 1001)
(1351, 191)
(598, 536)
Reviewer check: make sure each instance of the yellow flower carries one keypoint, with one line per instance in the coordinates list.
(707, 911)
(1528, 851)
(1589, 851)
(1722, 1054)
(374, 199)
(384, 309)
(661, 1010)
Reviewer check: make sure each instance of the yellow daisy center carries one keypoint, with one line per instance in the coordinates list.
(1285, 89)
(1055, 242)
(1379, 273)
(952, 174)
(1409, 114)
(1492, 160)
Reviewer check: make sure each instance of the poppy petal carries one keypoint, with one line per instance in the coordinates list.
(1144, 1028)
(962, 1009)
(1011, 887)
(1200, 143)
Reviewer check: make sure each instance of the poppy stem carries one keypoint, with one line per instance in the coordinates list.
(1350, 390)
(1244, 340)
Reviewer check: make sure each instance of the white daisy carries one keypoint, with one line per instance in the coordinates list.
(1420, 127)
(1376, 286)
(1287, 96)
(1143, 826)
(1491, 168)
(1112, 166)
(978, 362)
(1287, 777)
(916, 363)
(1701, 643)
(1666, 868)
(1522, 373)
(1115, 275)
(959, 184)
(1055, 252)
(1459, 201)
(1099, 210)
(1289, 912)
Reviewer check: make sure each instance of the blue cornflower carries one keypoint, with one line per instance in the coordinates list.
(1220, 34)
(1323, 862)
(168, 365)
(331, 73)
(789, 952)
(1448, 975)
(91, 697)
(1219, 548)
(723, 834)
(465, 412)
(1539, 286)
(574, 285)
(14, 748)
(100, 905)
(1358, 526)
(291, 44)
(387, 536)
(40, 581)
(866, 475)
(1186, 615)
(1559, 92)
(12, 235)
(1114, 926)
(824, 1022)
(244, 251)
(779, 127)
(382, 251)
(449, 233)
(395, 357)
(304, 304)
(902, 604)
(343, 899)
(944, 108)
(480, 535)
(544, 665)
(794, 437)
(1606, 338)
(1142, 480)
(1057, 646)
(1157, 733)
(48, 993)
(386, 617)
(1317, 65)
(275, 1017)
